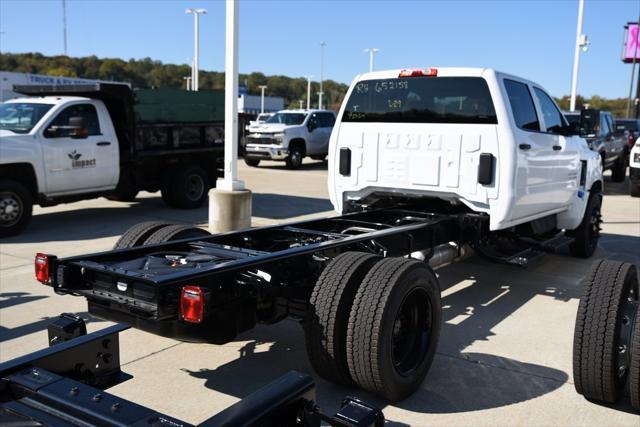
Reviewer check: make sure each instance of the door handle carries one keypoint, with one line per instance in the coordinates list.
(557, 148)
(524, 146)
(103, 143)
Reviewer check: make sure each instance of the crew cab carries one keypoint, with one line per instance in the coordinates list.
(69, 143)
(290, 135)
(606, 137)
(425, 166)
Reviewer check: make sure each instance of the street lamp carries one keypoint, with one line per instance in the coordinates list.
(372, 52)
(301, 102)
(320, 100)
(308, 92)
(262, 87)
(187, 79)
(196, 49)
(322, 45)
(581, 43)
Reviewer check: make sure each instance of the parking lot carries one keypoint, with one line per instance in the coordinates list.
(505, 351)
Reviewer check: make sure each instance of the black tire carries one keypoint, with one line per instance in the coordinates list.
(252, 161)
(587, 234)
(600, 328)
(16, 207)
(386, 352)
(634, 367)
(294, 159)
(128, 195)
(138, 234)
(328, 314)
(175, 232)
(634, 190)
(619, 170)
(186, 188)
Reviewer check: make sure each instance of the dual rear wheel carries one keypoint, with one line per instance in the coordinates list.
(374, 322)
(606, 345)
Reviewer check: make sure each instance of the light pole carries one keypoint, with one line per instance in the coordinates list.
(581, 43)
(372, 52)
(320, 100)
(188, 82)
(322, 45)
(196, 35)
(301, 102)
(308, 92)
(262, 87)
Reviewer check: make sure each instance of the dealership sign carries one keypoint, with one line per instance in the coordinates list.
(631, 48)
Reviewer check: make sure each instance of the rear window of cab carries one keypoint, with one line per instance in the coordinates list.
(421, 100)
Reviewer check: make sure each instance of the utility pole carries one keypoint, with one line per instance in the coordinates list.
(581, 43)
(262, 87)
(64, 25)
(322, 45)
(372, 52)
(308, 92)
(195, 84)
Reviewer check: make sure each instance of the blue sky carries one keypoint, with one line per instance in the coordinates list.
(533, 39)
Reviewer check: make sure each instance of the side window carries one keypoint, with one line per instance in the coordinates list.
(313, 120)
(604, 125)
(552, 116)
(326, 120)
(86, 111)
(524, 111)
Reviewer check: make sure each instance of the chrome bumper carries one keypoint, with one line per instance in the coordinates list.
(273, 152)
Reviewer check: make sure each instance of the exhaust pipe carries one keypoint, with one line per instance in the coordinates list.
(443, 254)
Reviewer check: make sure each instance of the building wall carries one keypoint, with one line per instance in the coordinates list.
(251, 104)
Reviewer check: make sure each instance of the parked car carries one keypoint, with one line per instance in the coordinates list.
(74, 142)
(634, 169)
(603, 136)
(290, 135)
(630, 125)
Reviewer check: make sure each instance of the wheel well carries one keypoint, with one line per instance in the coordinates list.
(299, 142)
(22, 173)
(596, 187)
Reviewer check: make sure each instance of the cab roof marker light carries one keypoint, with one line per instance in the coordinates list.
(419, 72)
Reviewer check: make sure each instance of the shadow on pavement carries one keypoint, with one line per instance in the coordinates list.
(7, 334)
(279, 206)
(9, 299)
(306, 166)
(115, 219)
(615, 188)
(474, 303)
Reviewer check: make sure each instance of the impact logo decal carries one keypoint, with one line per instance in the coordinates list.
(76, 163)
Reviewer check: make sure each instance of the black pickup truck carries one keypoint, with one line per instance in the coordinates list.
(600, 130)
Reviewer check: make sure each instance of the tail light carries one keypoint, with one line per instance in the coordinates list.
(632, 139)
(192, 304)
(42, 268)
(418, 72)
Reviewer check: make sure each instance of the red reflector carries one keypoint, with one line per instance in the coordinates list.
(42, 268)
(417, 72)
(192, 304)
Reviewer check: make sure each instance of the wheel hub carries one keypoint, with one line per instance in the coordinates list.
(411, 332)
(195, 187)
(628, 312)
(10, 209)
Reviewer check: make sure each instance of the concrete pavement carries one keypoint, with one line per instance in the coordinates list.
(504, 354)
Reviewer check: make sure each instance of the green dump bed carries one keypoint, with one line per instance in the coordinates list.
(178, 106)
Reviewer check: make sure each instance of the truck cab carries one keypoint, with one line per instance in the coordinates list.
(290, 135)
(495, 143)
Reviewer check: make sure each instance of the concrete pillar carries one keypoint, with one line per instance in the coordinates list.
(229, 210)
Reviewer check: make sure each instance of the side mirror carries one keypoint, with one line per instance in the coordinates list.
(77, 128)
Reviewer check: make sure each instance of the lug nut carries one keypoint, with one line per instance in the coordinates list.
(74, 391)
(97, 397)
(115, 407)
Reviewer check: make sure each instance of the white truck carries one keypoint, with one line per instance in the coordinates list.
(423, 165)
(290, 135)
(74, 142)
(634, 170)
